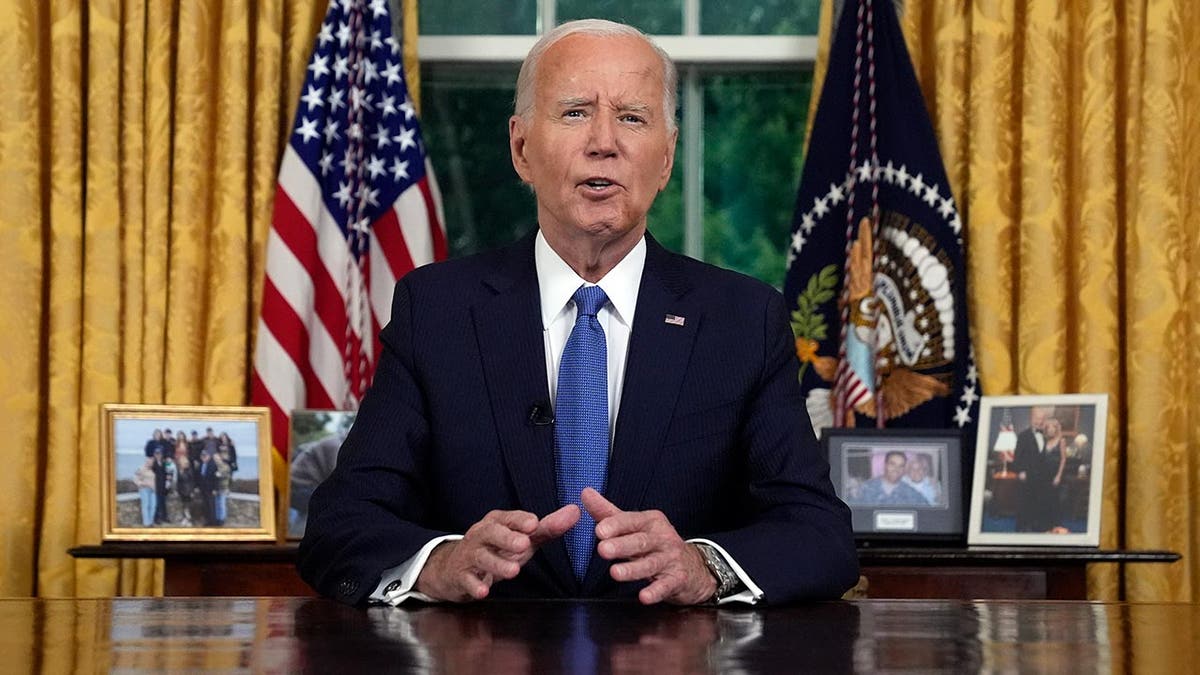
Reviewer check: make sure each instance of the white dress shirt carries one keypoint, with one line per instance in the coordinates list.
(557, 283)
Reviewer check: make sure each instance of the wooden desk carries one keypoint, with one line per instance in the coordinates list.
(959, 573)
(316, 635)
(997, 572)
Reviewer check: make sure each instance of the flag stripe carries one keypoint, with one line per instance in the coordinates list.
(415, 225)
(328, 294)
(383, 275)
(289, 331)
(391, 245)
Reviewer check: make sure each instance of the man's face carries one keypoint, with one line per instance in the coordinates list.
(916, 470)
(596, 147)
(893, 468)
(1038, 415)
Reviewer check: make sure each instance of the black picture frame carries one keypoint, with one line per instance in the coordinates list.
(931, 510)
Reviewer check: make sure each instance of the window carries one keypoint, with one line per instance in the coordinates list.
(745, 81)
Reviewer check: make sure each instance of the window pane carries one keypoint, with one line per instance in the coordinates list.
(753, 131)
(665, 220)
(656, 17)
(472, 17)
(464, 119)
(759, 17)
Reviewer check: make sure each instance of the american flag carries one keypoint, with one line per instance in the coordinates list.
(357, 207)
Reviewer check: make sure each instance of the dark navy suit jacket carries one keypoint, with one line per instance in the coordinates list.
(712, 431)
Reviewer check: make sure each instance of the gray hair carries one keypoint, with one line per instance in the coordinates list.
(523, 103)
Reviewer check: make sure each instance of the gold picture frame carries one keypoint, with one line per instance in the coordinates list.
(212, 482)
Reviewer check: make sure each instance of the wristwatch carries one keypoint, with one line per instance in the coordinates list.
(727, 579)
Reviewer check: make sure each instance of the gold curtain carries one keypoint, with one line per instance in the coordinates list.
(1070, 132)
(138, 148)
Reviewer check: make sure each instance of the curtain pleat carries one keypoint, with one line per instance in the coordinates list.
(139, 151)
(1070, 132)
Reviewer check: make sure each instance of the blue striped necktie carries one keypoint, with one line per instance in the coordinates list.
(581, 420)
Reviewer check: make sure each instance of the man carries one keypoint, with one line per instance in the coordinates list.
(1041, 476)
(887, 489)
(1031, 444)
(208, 482)
(920, 478)
(470, 471)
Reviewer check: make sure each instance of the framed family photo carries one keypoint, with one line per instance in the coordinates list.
(186, 473)
(900, 484)
(316, 437)
(1039, 470)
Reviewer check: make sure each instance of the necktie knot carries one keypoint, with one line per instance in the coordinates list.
(589, 300)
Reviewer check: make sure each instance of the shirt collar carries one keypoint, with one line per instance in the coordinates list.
(557, 282)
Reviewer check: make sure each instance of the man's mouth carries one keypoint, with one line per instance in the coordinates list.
(598, 183)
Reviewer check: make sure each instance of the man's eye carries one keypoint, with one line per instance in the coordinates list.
(633, 119)
(573, 113)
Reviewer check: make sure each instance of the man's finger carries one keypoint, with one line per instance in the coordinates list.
(636, 544)
(660, 589)
(488, 564)
(555, 524)
(597, 505)
(640, 568)
(521, 521)
(499, 537)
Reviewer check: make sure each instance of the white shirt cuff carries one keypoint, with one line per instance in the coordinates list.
(752, 595)
(396, 584)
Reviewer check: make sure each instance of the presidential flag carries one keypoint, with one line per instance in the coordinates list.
(356, 208)
(876, 275)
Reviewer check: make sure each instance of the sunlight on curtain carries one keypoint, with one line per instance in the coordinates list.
(141, 287)
(1070, 132)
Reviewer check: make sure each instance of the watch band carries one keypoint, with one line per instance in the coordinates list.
(727, 579)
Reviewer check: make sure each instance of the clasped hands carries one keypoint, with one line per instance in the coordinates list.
(496, 548)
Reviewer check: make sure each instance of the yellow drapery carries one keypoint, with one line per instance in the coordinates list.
(1070, 132)
(139, 144)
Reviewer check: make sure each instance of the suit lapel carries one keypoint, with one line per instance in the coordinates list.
(658, 357)
(508, 328)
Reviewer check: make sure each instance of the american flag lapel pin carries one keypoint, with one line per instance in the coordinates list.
(674, 320)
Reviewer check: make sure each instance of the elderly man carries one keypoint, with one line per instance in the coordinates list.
(583, 413)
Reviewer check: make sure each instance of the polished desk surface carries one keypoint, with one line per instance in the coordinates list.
(315, 635)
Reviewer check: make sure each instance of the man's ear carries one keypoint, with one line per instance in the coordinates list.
(516, 147)
(668, 161)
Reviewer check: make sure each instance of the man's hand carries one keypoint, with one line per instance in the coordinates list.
(653, 550)
(493, 549)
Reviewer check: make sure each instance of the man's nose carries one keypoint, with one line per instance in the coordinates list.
(602, 139)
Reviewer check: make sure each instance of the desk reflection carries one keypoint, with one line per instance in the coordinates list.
(595, 637)
(286, 635)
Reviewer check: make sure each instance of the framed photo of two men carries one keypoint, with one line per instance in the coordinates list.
(186, 473)
(1039, 465)
(900, 484)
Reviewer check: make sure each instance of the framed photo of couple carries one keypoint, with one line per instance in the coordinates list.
(1039, 470)
(900, 484)
(186, 473)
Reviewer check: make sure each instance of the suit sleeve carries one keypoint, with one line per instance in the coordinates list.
(366, 517)
(798, 543)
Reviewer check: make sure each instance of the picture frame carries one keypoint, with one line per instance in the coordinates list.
(900, 484)
(212, 484)
(315, 438)
(1024, 494)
